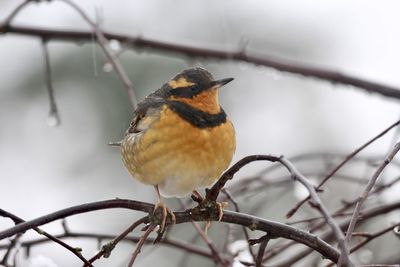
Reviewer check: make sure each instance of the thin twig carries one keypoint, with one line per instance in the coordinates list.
(373, 236)
(380, 265)
(140, 244)
(368, 238)
(367, 214)
(214, 251)
(167, 241)
(245, 232)
(10, 248)
(347, 159)
(342, 214)
(316, 202)
(212, 193)
(106, 249)
(15, 12)
(103, 42)
(366, 191)
(19, 221)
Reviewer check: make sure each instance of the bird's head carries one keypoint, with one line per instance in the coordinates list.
(196, 87)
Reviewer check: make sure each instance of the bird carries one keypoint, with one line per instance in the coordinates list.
(180, 139)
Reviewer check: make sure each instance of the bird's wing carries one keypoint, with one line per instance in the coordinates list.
(145, 114)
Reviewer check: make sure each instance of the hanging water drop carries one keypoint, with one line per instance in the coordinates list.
(53, 119)
(107, 67)
(396, 230)
(115, 45)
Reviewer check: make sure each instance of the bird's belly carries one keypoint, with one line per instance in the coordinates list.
(177, 156)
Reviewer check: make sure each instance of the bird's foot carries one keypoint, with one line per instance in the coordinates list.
(210, 210)
(160, 215)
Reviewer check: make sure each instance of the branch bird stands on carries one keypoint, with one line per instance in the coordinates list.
(179, 140)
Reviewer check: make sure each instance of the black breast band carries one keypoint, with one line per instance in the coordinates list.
(197, 117)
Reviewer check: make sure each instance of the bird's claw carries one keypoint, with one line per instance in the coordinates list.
(160, 215)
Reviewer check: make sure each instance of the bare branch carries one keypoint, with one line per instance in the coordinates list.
(15, 12)
(140, 244)
(214, 251)
(245, 232)
(213, 193)
(367, 214)
(366, 191)
(253, 58)
(9, 248)
(316, 202)
(373, 236)
(254, 223)
(106, 249)
(347, 159)
(261, 250)
(103, 42)
(167, 241)
(18, 221)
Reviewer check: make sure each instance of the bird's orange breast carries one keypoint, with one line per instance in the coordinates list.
(178, 156)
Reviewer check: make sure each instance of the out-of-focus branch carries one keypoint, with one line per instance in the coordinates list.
(15, 12)
(366, 215)
(75, 251)
(167, 241)
(140, 244)
(209, 53)
(317, 203)
(368, 238)
(245, 232)
(101, 38)
(255, 223)
(103, 42)
(347, 159)
(367, 189)
(216, 255)
(373, 236)
(106, 249)
(213, 193)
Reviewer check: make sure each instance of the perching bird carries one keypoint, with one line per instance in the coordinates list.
(180, 138)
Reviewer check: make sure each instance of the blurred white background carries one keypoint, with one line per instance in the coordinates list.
(45, 168)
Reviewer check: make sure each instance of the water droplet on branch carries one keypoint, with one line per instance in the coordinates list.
(396, 231)
(53, 119)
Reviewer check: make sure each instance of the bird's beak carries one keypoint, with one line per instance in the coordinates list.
(221, 82)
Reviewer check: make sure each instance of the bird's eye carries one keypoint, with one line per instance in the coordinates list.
(194, 88)
(186, 91)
